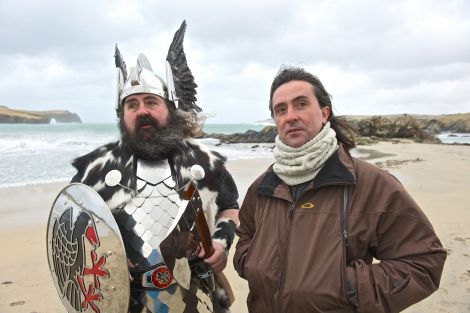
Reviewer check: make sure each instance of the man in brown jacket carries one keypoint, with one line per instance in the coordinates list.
(312, 223)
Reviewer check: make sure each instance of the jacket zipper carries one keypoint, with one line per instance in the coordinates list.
(345, 233)
(344, 217)
(286, 248)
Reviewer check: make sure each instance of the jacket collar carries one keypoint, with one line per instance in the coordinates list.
(338, 170)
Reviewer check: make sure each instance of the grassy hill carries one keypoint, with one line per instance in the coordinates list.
(13, 116)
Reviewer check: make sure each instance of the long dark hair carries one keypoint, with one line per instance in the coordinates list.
(344, 132)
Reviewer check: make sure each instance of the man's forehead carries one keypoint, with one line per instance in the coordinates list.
(293, 91)
(144, 96)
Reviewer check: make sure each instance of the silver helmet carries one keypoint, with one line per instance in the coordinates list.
(179, 87)
(141, 80)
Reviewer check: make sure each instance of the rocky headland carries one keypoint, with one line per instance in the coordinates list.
(12, 116)
(419, 128)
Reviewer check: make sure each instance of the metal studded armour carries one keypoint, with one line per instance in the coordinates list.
(156, 230)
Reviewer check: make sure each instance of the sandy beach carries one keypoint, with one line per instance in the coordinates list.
(437, 176)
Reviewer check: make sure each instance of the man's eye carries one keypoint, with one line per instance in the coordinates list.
(280, 110)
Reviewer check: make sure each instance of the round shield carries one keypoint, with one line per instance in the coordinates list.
(86, 253)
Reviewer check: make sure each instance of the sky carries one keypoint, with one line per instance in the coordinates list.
(373, 57)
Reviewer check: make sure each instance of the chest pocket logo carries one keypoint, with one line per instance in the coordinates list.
(307, 205)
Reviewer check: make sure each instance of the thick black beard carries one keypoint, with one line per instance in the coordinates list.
(156, 142)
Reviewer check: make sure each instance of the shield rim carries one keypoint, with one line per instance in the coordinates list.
(109, 220)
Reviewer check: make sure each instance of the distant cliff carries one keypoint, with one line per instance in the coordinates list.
(12, 116)
(420, 128)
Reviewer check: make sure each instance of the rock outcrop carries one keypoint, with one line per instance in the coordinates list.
(456, 123)
(12, 116)
(267, 134)
(419, 128)
(433, 124)
(63, 116)
(404, 126)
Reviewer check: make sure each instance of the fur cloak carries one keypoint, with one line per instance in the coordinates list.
(217, 189)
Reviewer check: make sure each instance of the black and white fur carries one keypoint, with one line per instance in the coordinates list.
(217, 189)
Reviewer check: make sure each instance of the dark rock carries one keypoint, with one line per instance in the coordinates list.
(267, 134)
(403, 126)
(458, 123)
(370, 129)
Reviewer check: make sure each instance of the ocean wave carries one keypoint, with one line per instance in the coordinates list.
(45, 156)
(450, 138)
(35, 182)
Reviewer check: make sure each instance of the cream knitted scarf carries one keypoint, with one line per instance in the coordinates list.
(299, 165)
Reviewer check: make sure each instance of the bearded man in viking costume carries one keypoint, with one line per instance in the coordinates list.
(153, 161)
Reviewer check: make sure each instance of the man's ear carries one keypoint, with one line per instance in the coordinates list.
(325, 113)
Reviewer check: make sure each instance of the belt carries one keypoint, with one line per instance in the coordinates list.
(157, 278)
(160, 276)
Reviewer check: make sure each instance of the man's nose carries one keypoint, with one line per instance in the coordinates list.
(142, 110)
(291, 115)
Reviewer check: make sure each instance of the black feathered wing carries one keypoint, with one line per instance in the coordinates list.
(119, 61)
(185, 87)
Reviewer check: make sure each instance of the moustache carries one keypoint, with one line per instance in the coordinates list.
(147, 121)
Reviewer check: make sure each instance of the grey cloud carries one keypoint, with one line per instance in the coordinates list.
(400, 55)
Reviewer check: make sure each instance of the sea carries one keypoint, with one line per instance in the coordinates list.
(33, 154)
